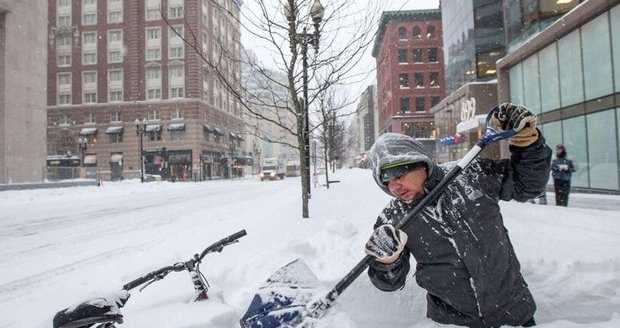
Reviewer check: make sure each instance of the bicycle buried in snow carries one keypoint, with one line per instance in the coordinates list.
(104, 312)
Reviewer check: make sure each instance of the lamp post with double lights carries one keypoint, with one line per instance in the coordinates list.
(82, 146)
(303, 39)
(140, 131)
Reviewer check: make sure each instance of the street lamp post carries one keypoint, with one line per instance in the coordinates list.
(140, 131)
(82, 146)
(232, 162)
(305, 38)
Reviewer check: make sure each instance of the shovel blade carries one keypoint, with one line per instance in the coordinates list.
(283, 299)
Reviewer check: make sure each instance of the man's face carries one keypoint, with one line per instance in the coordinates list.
(409, 185)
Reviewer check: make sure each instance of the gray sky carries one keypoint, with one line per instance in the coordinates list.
(366, 66)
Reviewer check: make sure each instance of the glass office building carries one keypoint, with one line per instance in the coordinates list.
(569, 74)
(473, 40)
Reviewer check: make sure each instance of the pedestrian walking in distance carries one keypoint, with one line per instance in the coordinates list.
(561, 170)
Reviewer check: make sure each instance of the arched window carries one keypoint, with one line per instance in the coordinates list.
(430, 32)
(417, 33)
(402, 33)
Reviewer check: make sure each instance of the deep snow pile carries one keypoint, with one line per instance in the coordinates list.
(62, 245)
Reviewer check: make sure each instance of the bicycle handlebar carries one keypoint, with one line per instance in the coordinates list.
(181, 266)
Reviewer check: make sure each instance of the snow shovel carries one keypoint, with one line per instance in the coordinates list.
(287, 300)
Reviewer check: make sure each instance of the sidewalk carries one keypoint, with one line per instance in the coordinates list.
(593, 201)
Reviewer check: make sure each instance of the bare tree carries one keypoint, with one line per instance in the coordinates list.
(345, 33)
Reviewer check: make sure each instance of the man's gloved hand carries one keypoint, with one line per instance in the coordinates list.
(517, 118)
(386, 244)
(96, 310)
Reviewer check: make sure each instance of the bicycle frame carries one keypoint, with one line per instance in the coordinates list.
(76, 318)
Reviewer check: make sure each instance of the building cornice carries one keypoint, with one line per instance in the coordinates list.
(402, 16)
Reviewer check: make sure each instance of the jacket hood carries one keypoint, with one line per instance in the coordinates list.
(392, 148)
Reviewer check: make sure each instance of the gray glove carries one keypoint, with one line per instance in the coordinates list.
(386, 244)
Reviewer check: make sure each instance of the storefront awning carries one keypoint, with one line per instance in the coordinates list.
(176, 127)
(90, 160)
(217, 131)
(478, 121)
(153, 128)
(114, 130)
(116, 158)
(232, 135)
(207, 128)
(88, 131)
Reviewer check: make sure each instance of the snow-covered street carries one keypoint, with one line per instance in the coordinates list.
(60, 246)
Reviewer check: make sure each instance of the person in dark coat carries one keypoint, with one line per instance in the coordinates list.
(561, 170)
(464, 258)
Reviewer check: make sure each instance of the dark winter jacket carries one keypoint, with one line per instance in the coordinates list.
(464, 258)
(562, 168)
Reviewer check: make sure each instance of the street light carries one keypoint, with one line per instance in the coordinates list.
(140, 131)
(82, 146)
(304, 38)
(232, 162)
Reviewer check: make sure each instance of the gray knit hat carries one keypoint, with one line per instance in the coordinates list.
(393, 153)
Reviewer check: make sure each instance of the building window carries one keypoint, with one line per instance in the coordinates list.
(115, 17)
(115, 56)
(404, 105)
(176, 33)
(153, 73)
(64, 79)
(403, 80)
(116, 96)
(90, 97)
(154, 94)
(115, 117)
(153, 54)
(89, 58)
(89, 38)
(64, 120)
(116, 137)
(64, 99)
(402, 33)
(433, 56)
(89, 78)
(155, 135)
(89, 19)
(115, 75)
(153, 33)
(417, 33)
(434, 80)
(176, 92)
(153, 114)
(175, 10)
(419, 80)
(402, 56)
(176, 52)
(176, 71)
(176, 114)
(152, 9)
(63, 41)
(64, 20)
(64, 60)
(115, 36)
(419, 104)
(417, 55)
(434, 101)
(430, 32)
(89, 118)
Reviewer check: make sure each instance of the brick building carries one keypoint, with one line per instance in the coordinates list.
(410, 71)
(112, 62)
